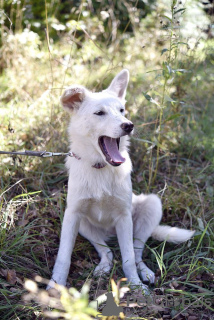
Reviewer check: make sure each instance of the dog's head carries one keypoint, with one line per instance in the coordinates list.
(100, 117)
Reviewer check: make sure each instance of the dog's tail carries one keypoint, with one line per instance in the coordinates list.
(172, 234)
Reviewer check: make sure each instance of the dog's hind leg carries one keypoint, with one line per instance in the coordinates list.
(97, 238)
(147, 213)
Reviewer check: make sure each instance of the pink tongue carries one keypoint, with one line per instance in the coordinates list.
(112, 148)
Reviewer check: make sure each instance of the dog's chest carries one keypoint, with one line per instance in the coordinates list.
(101, 196)
(104, 212)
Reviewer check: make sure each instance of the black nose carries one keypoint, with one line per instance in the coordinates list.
(127, 126)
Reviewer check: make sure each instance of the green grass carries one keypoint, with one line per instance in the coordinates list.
(172, 153)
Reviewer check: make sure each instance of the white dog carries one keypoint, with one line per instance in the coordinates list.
(100, 202)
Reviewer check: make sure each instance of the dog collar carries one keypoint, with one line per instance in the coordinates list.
(75, 156)
(98, 165)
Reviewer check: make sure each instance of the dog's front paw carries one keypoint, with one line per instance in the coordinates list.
(56, 279)
(102, 269)
(136, 284)
(145, 273)
(51, 284)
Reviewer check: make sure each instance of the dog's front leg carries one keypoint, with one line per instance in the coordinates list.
(124, 229)
(70, 228)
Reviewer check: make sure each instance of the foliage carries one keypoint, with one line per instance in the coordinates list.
(107, 16)
(71, 303)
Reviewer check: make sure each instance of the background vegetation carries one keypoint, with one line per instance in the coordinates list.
(168, 48)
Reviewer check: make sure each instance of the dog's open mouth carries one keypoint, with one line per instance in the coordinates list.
(110, 149)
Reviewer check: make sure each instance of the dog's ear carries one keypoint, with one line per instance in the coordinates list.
(119, 84)
(73, 97)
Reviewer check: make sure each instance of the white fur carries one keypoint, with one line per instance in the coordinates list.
(175, 235)
(100, 202)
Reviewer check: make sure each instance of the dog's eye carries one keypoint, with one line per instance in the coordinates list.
(100, 113)
(122, 110)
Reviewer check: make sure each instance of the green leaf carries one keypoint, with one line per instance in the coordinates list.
(167, 98)
(169, 68)
(172, 117)
(164, 50)
(181, 70)
(166, 70)
(154, 70)
(142, 140)
(175, 44)
(147, 96)
(155, 102)
(179, 10)
(160, 145)
(182, 43)
(167, 18)
(150, 99)
(26, 194)
(157, 93)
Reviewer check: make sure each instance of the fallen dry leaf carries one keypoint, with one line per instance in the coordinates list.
(23, 223)
(175, 284)
(155, 308)
(11, 276)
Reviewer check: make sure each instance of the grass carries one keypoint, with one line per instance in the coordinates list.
(172, 153)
